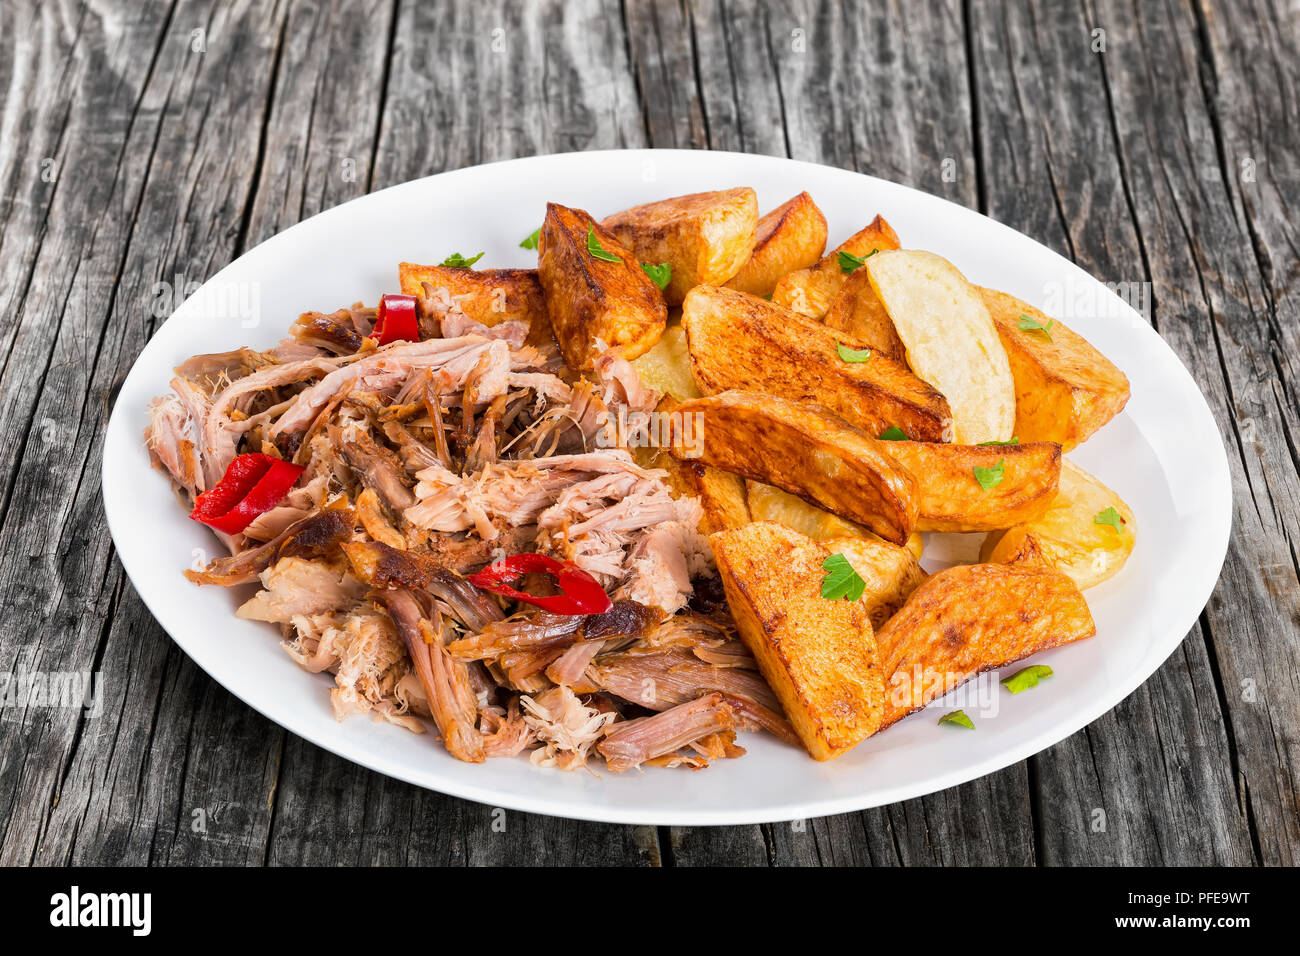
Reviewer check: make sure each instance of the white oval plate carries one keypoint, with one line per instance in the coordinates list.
(1163, 455)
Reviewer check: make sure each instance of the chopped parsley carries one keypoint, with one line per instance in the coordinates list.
(894, 433)
(596, 249)
(530, 241)
(1111, 517)
(990, 477)
(959, 718)
(1014, 441)
(1026, 678)
(457, 261)
(1028, 324)
(660, 275)
(852, 355)
(841, 581)
(849, 263)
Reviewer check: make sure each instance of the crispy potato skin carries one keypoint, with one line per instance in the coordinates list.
(667, 366)
(810, 291)
(743, 342)
(949, 497)
(488, 296)
(819, 656)
(1066, 537)
(792, 236)
(808, 452)
(970, 619)
(705, 237)
(769, 503)
(589, 299)
(891, 573)
(721, 494)
(858, 312)
(950, 339)
(1065, 388)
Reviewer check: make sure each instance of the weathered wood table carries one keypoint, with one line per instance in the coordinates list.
(144, 145)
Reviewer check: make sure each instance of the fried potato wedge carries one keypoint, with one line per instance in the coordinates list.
(667, 366)
(818, 656)
(810, 291)
(1067, 534)
(792, 236)
(805, 450)
(891, 573)
(488, 296)
(590, 300)
(970, 619)
(740, 341)
(950, 339)
(705, 237)
(858, 312)
(1065, 388)
(769, 503)
(951, 498)
(722, 494)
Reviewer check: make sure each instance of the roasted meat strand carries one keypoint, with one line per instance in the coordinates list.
(315, 536)
(631, 743)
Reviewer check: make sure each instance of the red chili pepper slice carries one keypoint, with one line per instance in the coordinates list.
(580, 592)
(252, 485)
(396, 320)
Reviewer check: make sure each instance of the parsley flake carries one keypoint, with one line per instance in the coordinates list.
(596, 249)
(849, 263)
(894, 433)
(852, 355)
(660, 275)
(1026, 678)
(990, 477)
(1028, 324)
(530, 241)
(457, 261)
(1111, 517)
(841, 581)
(959, 718)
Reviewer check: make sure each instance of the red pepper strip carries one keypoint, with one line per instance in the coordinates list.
(252, 485)
(580, 593)
(396, 320)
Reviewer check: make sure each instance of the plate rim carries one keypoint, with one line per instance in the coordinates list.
(1215, 479)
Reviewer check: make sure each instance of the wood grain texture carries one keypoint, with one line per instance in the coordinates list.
(144, 141)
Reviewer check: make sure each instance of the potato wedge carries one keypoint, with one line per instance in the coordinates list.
(891, 573)
(1065, 388)
(705, 237)
(950, 339)
(858, 312)
(970, 619)
(950, 497)
(590, 300)
(769, 503)
(722, 494)
(488, 296)
(818, 656)
(792, 236)
(810, 291)
(741, 341)
(667, 366)
(1067, 535)
(807, 451)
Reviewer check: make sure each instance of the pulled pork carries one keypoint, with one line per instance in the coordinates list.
(423, 462)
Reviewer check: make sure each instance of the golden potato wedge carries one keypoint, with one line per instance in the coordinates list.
(488, 296)
(1067, 534)
(970, 619)
(722, 494)
(891, 573)
(807, 451)
(810, 291)
(792, 236)
(1065, 388)
(740, 341)
(817, 655)
(590, 300)
(705, 237)
(950, 339)
(950, 497)
(858, 312)
(667, 366)
(769, 503)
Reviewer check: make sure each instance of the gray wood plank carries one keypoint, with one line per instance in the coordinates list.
(1153, 765)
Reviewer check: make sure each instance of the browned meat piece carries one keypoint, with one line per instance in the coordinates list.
(315, 536)
(375, 467)
(628, 744)
(383, 567)
(333, 333)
